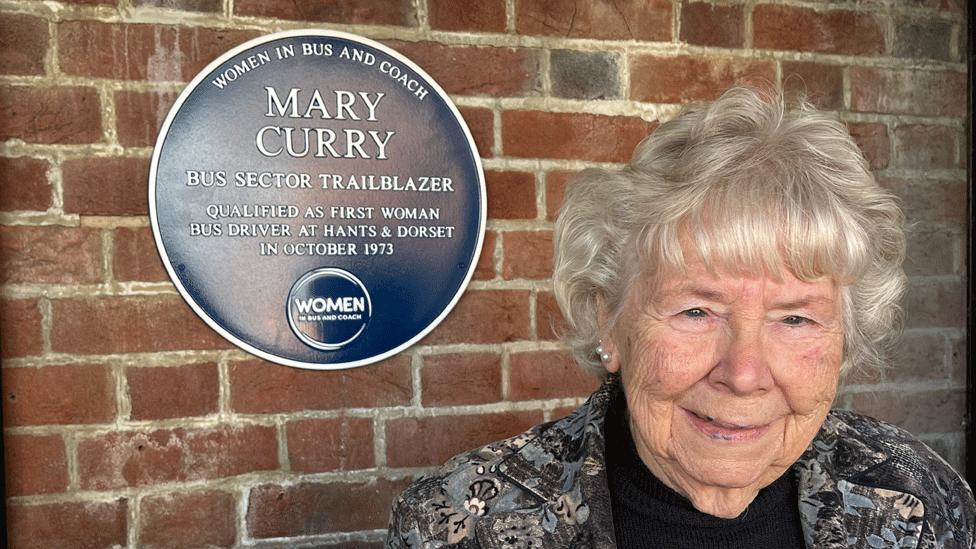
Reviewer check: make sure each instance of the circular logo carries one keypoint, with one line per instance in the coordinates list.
(325, 174)
(328, 308)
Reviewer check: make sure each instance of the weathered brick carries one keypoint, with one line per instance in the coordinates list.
(804, 29)
(481, 123)
(50, 254)
(461, 378)
(571, 136)
(34, 464)
(935, 303)
(131, 51)
(822, 85)
(368, 12)
(556, 182)
(485, 15)
(106, 186)
(921, 146)
(918, 357)
(932, 251)
(65, 115)
(919, 412)
(135, 256)
(75, 394)
(129, 325)
(485, 316)
(923, 39)
(527, 254)
(511, 194)
(626, 20)
(873, 141)
(188, 519)
(707, 24)
(177, 391)
(485, 270)
(549, 323)
(548, 374)
(931, 201)
(476, 70)
(184, 5)
(922, 92)
(584, 75)
(139, 458)
(686, 78)
(260, 387)
(20, 328)
(311, 508)
(343, 444)
(23, 44)
(957, 361)
(81, 524)
(139, 115)
(454, 434)
(23, 184)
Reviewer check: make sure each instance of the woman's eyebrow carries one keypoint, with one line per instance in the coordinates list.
(802, 302)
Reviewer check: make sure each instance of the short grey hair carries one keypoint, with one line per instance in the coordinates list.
(752, 184)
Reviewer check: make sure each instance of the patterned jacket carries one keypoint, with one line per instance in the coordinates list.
(862, 483)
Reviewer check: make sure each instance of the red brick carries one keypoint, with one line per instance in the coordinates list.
(822, 85)
(549, 323)
(127, 51)
(932, 251)
(626, 20)
(707, 24)
(77, 524)
(511, 195)
(922, 92)
(135, 256)
(369, 12)
(106, 186)
(461, 378)
(177, 391)
(828, 31)
(485, 316)
(50, 254)
(918, 357)
(23, 44)
(931, 201)
(923, 412)
(35, 464)
(185, 5)
(527, 254)
(485, 270)
(23, 184)
(571, 136)
(343, 444)
(129, 325)
(481, 122)
(188, 519)
(935, 303)
(410, 442)
(561, 412)
(304, 509)
(873, 141)
(118, 459)
(75, 394)
(476, 70)
(20, 328)
(259, 387)
(140, 114)
(920, 146)
(556, 183)
(547, 374)
(685, 78)
(67, 115)
(486, 15)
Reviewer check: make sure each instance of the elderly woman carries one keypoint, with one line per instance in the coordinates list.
(725, 280)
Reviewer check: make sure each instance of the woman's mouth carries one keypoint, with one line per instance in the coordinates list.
(718, 429)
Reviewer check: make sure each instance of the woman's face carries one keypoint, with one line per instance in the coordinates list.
(727, 377)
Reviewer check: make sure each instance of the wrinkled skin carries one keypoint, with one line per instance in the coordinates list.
(728, 377)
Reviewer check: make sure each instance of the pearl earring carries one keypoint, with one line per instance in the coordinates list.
(601, 352)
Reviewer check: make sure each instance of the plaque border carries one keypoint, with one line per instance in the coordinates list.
(161, 250)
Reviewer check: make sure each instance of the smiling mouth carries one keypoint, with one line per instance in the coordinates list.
(720, 430)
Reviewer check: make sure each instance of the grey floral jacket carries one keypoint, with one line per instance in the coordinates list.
(862, 483)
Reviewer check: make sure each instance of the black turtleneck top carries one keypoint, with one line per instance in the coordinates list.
(648, 514)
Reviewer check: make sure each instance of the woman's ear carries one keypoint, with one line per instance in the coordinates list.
(608, 346)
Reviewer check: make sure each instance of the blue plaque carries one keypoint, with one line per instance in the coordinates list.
(317, 199)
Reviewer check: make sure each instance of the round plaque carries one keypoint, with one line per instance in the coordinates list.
(317, 199)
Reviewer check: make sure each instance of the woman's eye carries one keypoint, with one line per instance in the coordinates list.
(695, 313)
(794, 320)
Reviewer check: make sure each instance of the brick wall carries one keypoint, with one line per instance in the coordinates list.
(127, 422)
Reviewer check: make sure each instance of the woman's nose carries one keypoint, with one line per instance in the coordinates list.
(743, 368)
